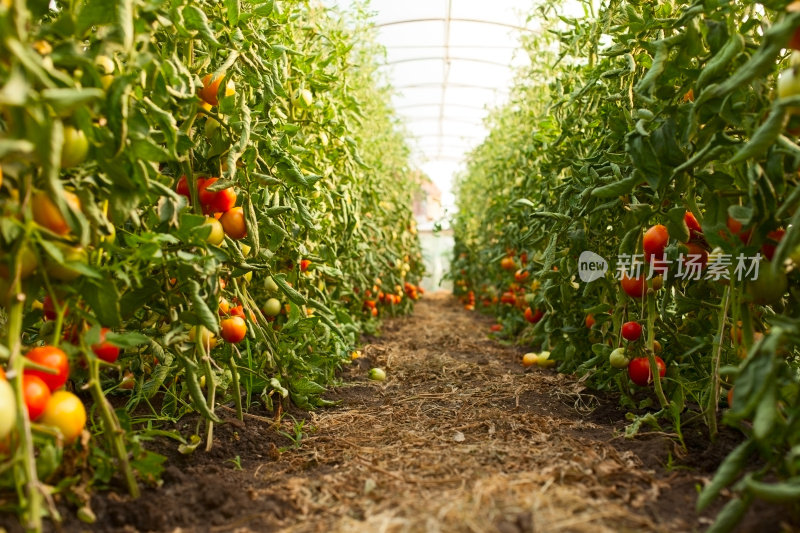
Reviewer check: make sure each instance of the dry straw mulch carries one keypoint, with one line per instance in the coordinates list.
(460, 438)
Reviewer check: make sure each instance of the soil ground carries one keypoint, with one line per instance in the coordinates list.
(460, 437)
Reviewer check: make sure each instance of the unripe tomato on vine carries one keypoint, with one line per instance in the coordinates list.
(75, 147)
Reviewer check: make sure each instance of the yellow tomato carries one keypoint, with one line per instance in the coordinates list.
(66, 412)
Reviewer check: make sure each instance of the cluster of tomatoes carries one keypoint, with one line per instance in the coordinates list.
(376, 295)
(223, 217)
(768, 288)
(46, 402)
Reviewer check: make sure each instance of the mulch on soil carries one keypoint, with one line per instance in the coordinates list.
(458, 438)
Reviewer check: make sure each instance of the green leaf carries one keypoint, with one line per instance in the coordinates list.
(293, 295)
(103, 299)
(195, 19)
(201, 309)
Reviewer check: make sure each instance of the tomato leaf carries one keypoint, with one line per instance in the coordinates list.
(200, 308)
(103, 298)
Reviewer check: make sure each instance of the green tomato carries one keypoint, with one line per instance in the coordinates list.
(75, 147)
(212, 127)
(769, 287)
(270, 284)
(7, 408)
(105, 65)
(217, 234)
(618, 359)
(272, 307)
(788, 83)
(63, 271)
(377, 374)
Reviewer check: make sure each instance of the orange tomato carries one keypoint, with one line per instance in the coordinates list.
(234, 224)
(508, 263)
(233, 329)
(47, 214)
(210, 89)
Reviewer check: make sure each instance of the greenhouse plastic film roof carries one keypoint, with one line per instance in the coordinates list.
(450, 61)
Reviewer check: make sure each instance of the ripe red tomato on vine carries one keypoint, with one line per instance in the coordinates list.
(639, 370)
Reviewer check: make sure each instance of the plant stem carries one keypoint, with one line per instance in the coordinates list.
(28, 480)
(651, 356)
(237, 393)
(713, 398)
(113, 430)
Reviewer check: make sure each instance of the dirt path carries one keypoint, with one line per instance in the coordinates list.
(458, 438)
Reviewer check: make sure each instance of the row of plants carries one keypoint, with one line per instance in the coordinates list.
(201, 203)
(660, 135)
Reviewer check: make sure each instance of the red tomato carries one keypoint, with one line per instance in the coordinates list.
(36, 393)
(655, 240)
(237, 311)
(589, 321)
(639, 370)
(182, 187)
(369, 304)
(374, 311)
(234, 224)
(631, 331)
(105, 350)
(634, 287)
(794, 41)
(216, 201)
(521, 275)
(695, 249)
(533, 316)
(49, 308)
(496, 327)
(508, 298)
(773, 238)
(51, 357)
(695, 231)
(233, 329)
(735, 228)
(304, 264)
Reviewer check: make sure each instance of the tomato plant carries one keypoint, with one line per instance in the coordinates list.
(636, 133)
(123, 139)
